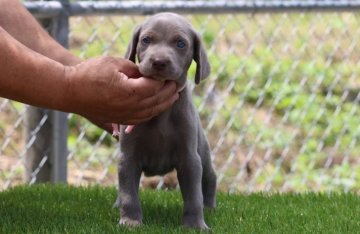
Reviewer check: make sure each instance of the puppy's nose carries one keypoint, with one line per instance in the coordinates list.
(159, 64)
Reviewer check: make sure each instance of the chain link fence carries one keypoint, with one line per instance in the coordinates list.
(280, 109)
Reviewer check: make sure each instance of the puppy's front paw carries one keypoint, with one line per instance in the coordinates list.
(195, 223)
(129, 222)
(210, 205)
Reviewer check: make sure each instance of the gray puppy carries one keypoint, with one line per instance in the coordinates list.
(165, 46)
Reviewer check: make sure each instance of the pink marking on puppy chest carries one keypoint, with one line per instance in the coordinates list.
(116, 131)
(129, 128)
(115, 128)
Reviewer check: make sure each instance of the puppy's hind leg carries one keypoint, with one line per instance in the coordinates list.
(208, 176)
(209, 186)
(189, 176)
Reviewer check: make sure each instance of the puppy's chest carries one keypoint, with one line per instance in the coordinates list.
(161, 156)
(157, 151)
(156, 144)
(158, 140)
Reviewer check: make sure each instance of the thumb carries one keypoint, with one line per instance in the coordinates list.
(129, 68)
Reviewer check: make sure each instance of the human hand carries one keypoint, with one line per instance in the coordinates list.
(100, 89)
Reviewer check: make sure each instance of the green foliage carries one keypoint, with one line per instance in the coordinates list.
(294, 82)
(311, 106)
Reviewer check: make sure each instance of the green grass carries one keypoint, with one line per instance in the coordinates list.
(66, 209)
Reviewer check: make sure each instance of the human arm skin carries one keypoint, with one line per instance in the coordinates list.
(28, 77)
(85, 89)
(21, 25)
(94, 88)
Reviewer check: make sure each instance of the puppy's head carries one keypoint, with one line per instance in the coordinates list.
(165, 46)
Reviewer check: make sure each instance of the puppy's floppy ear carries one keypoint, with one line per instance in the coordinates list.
(132, 47)
(201, 59)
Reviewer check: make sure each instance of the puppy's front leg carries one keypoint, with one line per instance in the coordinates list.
(189, 176)
(129, 177)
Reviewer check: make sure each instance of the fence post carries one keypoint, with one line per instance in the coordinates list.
(46, 158)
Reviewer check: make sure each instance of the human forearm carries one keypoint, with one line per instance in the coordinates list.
(33, 71)
(96, 88)
(20, 24)
(29, 77)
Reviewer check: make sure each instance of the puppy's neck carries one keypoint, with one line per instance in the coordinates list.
(181, 88)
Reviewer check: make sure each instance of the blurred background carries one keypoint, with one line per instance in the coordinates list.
(280, 108)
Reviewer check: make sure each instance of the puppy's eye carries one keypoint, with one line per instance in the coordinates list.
(180, 43)
(146, 40)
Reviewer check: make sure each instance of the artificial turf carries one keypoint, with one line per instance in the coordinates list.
(68, 209)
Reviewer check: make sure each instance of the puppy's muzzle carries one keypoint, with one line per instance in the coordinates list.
(159, 64)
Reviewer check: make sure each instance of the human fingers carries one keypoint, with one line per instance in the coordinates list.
(121, 65)
(166, 93)
(150, 107)
(153, 106)
(127, 67)
(105, 126)
(144, 87)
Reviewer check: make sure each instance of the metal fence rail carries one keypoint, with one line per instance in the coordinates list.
(52, 8)
(281, 107)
